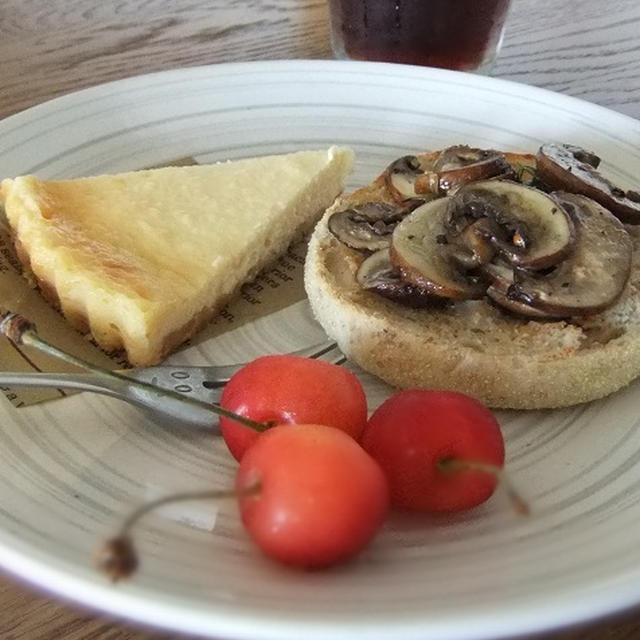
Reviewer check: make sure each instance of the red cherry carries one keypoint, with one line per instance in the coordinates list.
(427, 441)
(290, 389)
(319, 497)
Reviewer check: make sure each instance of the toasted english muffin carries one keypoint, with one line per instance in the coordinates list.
(144, 259)
(473, 346)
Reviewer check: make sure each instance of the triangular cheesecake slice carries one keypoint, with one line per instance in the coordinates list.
(144, 259)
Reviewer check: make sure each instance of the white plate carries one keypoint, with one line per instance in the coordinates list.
(70, 469)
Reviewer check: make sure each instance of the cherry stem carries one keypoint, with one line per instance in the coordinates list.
(455, 465)
(186, 496)
(118, 557)
(22, 331)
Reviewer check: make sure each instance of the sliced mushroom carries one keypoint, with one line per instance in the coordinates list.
(401, 176)
(460, 165)
(590, 280)
(511, 303)
(530, 229)
(419, 251)
(506, 293)
(570, 168)
(415, 177)
(376, 273)
(366, 226)
(477, 238)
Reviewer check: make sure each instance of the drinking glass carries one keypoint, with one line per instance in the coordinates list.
(454, 34)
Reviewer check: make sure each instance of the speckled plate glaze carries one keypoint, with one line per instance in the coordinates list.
(69, 469)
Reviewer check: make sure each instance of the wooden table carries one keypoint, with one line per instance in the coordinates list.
(584, 48)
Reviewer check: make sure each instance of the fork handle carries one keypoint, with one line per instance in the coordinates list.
(153, 400)
(77, 381)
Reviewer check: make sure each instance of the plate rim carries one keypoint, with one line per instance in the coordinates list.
(288, 65)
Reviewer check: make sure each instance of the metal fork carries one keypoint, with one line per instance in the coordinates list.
(181, 394)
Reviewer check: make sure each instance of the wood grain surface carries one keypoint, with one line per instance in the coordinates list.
(583, 48)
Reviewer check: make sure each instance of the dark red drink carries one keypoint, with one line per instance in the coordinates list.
(454, 34)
